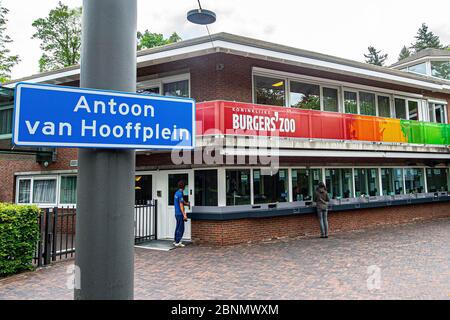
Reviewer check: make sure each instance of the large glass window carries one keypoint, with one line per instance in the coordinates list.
(413, 110)
(44, 191)
(270, 91)
(238, 187)
(330, 99)
(173, 186)
(206, 188)
(400, 108)
(339, 183)
(440, 69)
(384, 106)
(367, 104)
(304, 182)
(24, 191)
(366, 182)
(392, 181)
(437, 179)
(270, 188)
(418, 68)
(6, 116)
(304, 95)
(177, 89)
(350, 102)
(143, 189)
(414, 182)
(68, 190)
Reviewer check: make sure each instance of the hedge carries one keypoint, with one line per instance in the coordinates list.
(19, 233)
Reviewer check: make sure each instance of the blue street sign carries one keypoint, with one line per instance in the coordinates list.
(57, 116)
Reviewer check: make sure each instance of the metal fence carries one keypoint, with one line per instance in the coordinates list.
(57, 231)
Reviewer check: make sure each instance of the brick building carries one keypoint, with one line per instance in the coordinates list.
(272, 121)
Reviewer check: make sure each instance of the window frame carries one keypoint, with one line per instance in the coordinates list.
(407, 100)
(59, 189)
(7, 135)
(434, 103)
(160, 82)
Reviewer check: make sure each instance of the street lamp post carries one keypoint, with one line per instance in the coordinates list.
(105, 205)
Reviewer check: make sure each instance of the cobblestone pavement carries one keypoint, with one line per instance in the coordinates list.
(414, 262)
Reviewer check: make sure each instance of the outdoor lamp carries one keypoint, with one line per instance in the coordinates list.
(201, 16)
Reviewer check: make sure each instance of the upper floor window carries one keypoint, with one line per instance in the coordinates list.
(176, 86)
(440, 69)
(177, 89)
(270, 91)
(367, 104)
(304, 95)
(437, 112)
(6, 116)
(418, 68)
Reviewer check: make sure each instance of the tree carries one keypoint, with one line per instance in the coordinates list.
(149, 39)
(375, 57)
(7, 61)
(426, 39)
(404, 53)
(60, 35)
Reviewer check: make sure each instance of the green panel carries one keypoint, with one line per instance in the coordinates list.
(417, 132)
(435, 133)
(425, 132)
(405, 125)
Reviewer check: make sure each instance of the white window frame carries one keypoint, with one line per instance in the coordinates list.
(18, 189)
(407, 100)
(160, 82)
(434, 103)
(59, 190)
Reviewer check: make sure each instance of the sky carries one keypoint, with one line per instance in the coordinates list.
(342, 28)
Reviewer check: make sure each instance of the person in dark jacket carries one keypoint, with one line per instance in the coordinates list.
(322, 199)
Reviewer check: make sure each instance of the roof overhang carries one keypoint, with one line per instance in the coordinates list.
(246, 47)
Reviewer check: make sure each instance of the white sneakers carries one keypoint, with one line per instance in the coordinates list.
(179, 244)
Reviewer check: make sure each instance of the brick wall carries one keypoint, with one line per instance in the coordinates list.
(254, 230)
(13, 163)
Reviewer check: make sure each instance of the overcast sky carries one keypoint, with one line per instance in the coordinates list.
(342, 28)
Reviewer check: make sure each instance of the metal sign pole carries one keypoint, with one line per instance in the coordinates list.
(105, 204)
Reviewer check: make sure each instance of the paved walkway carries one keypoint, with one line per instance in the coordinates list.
(414, 262)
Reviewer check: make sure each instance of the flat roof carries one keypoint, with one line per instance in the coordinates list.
(429, 52)
(234, 44)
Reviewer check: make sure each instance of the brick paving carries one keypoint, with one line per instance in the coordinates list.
(414, 260)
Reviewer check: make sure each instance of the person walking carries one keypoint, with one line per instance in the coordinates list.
(322, 199)
(180, 214)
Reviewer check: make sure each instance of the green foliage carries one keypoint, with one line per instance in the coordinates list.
(19, 232)
(149, 39)
(375, 57)
(426, 39)
(404, 53)
(60, 35)
(7, 61)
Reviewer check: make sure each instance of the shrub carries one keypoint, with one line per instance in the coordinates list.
(19, 232)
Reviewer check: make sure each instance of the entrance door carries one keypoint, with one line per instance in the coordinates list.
(166, 186)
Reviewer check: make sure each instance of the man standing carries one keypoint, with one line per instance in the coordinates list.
(180, 214)
(321, 198)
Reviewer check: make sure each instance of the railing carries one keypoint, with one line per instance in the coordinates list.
(57, 231)
(236, 118)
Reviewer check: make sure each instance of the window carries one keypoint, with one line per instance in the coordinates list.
(304, 95)
(330, 99)
(384, 106)
(414, 181)
(351, 102)
(6, 116)
(269, 91)
(150, 90)
(143, 189)
(413, 110)
(440, 69)
(437, 112)
(44, 191)
(400, 108)
(205, 188)
(366, 182)
(173, 186)
(68, 190)
(437, 180)
(339, 183)
(176, 89)
(392, 181)
(418, 68)
(270, 188)
(304, 182)
(367, 104)
(24, 191)
(237, 187)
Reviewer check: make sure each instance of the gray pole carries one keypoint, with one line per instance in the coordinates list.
(105, 204)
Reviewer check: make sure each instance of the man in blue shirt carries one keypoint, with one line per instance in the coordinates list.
(180, 214)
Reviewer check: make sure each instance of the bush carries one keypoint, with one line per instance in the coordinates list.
(19, 232)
